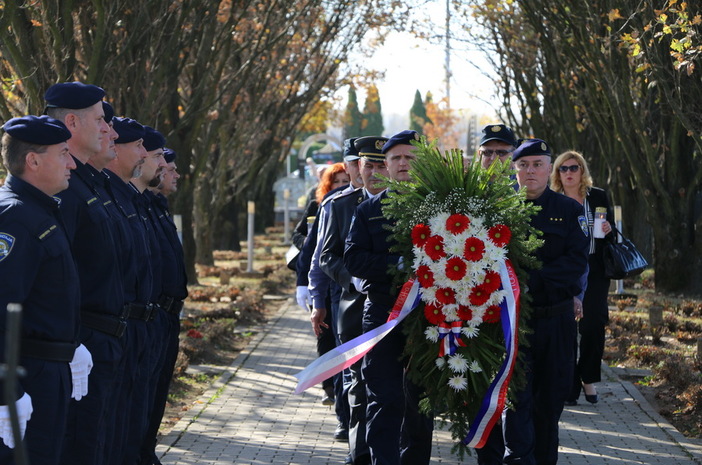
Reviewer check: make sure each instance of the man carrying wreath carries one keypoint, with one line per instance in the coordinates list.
(395, 430)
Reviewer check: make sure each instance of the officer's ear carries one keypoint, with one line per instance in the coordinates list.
(31, 161)
(71, 120)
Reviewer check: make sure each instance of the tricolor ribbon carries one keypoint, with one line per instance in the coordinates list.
(345, 355)
(496, 395)
(448, 345)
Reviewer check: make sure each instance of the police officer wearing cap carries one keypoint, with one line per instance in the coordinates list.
(174, 291)
(358, 151)
(95, 250)
(37, 271)
(132, 390)
(530, 431)
(395, 430)
(497, 143)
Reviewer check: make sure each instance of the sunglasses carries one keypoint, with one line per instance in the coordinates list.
(491, 153)
(571, 168)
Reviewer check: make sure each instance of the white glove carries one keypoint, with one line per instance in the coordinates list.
(401, 264)
(24, 413)
(304, 299)
(81, 365)
(358, 284)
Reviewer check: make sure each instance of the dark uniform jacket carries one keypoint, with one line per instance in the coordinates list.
(174, 282)
(331, 261)
(564, 254)
(94, 247)
(367, 255)
(36, 266)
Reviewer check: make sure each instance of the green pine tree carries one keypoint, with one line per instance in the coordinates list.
(418, 113)
(353, 119)
(372, 114)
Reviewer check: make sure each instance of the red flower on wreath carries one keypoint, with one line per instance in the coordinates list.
(479, 295)
(434, 247)
(455, 269)
(457, 223)
(425, 276)
(464, 312)
(492, 314)
(433, 314)
(492, 281)
(420, 234)
(446, 295)
(474, 249)
(500, 235)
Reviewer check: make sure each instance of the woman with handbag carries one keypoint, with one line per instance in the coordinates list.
(571, 177)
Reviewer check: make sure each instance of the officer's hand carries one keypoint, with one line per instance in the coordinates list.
(358, 284)
(24, 413)
(606, 227)
(304, 299)
(81, 365)
(317, 318)
(578, 308)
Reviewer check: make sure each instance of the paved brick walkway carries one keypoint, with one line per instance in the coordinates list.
(251, 416)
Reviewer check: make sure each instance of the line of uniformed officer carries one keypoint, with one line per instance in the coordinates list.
(396, 432)
(118, 235)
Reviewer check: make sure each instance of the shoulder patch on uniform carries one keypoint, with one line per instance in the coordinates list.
(583, 225)
(6, 243)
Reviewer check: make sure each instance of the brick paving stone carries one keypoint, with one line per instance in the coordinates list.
(251, 416)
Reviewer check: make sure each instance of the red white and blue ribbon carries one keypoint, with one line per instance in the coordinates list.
(450, 337)
(496, 395)
(347, 354)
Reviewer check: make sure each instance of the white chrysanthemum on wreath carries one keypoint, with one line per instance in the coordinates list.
(470, 331)
(440, 363)
(458, 383)
(432, 333)
(474, 367)
(437, 223)
(458, 363)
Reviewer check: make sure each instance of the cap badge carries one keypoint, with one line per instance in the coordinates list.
(379, 144)
(416, 136)
(543, 146)
(495, 129)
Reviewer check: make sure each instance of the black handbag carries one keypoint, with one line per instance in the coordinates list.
(622, 259)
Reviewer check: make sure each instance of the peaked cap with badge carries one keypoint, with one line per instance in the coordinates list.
(498, 132)
(350, 152)
(371, 147)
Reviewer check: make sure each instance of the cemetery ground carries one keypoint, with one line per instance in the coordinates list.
(653, 340)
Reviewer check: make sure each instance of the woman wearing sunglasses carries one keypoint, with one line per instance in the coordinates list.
(571, 176)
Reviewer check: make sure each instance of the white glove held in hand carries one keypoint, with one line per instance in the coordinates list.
(304, 299)
(80, 369)
(358, 284)
(24, 413)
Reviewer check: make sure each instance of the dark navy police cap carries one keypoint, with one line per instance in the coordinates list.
(371, 147)
(350, 152)
(498, 132)
(38, 130)
(127, 129)
(402, 137)
(109, 111)
(153, 140)
(73, 95)
(169, 155)
(530, 147)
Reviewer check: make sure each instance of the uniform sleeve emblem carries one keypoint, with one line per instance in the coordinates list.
(6, 243)
(583, 225)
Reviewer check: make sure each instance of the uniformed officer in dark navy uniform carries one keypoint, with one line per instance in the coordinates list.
(174, 291)
(530, 432)
(361, 151)
(37, 271)
(133, 389)
(95, 250)
(395, 430)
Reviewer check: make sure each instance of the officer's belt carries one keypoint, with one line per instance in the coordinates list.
(103, 322)
(48, 350)
(140, 311)
(170, 304)
(553, 310)
(381, 299)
